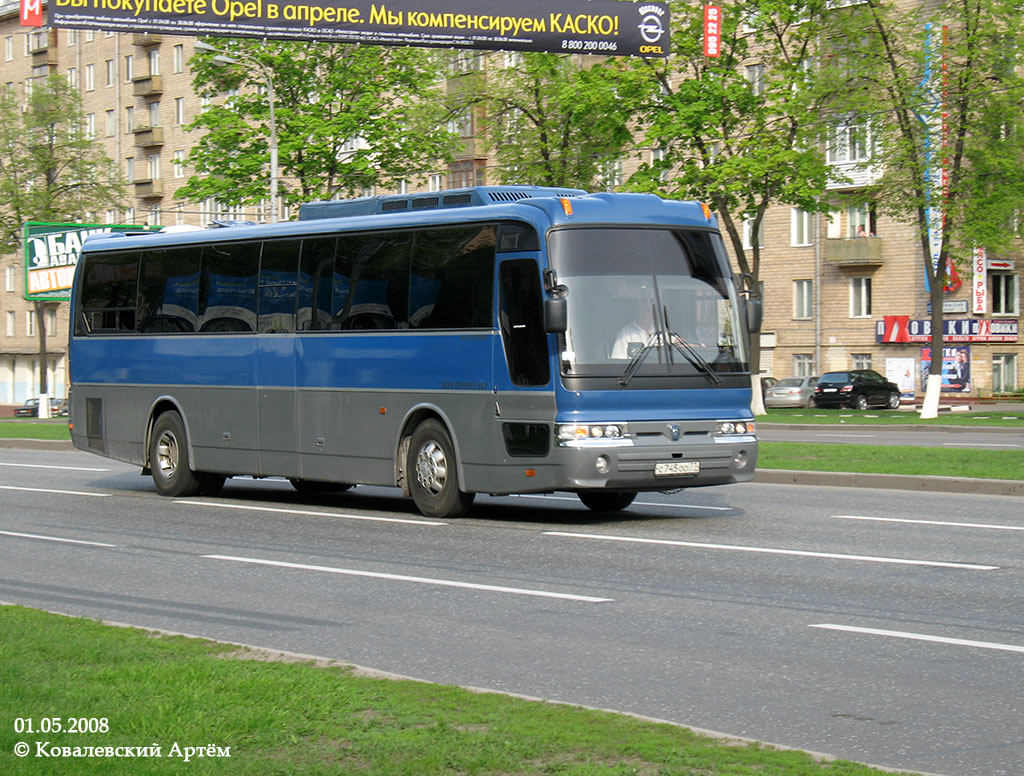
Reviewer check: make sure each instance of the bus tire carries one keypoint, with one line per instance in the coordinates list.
(317, 486)
(433, 473)
(606, 500)
(168, 458)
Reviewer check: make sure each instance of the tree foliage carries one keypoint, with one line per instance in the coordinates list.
(555, 119)
(348, 118)
(50, 170)
(940, 88)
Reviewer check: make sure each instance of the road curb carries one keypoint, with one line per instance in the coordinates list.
(36, 444)
(972, 485)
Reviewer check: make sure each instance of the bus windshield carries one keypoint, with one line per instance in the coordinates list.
(649, 301)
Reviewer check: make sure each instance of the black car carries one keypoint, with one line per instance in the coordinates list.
(857, 388)
(30, 409)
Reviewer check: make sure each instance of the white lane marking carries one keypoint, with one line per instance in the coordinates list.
(635, 503)
(773, 551)
(54, 490)
(55, 539)
(63, 468)
(977, 444)
(932, 522)
(309, 512)
(922, 637)
(419, 580)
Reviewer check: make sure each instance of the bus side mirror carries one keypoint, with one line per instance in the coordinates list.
(755, 314)
(556, 315)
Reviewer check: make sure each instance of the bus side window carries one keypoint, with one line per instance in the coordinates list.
(169, 290)
(452, 278)
(377, 268)
(227, 287)
(317, 283)
(522, 323)
(108, 297)
(279, 265)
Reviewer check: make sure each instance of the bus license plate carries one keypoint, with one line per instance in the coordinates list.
(676, 467)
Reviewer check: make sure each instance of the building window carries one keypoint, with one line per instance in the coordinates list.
(90, 77)
(90, 125)
(179, 58)
(111, 216)
(1004, 372)
(1005, 293)
(154, 62)
(111, 123)
(51, 323)
(154, 114)
(179, 111)
(72, 37)
(748, 233)
(803, 365)
(860, 220)
(9, 278)
(129, 119)
(111, 72)
(154, 166)
(30, 323)
(436, 181)
(801, 227)
(9, 48)
(90, 36)
(129, 215)
(860, 360)
(129, 167)
(10, 323)
(848, 143)
(154, 216)
(73, 76)
(755, 77)
(860, 297)
(462, 175)
(803, 299)
(461, 123)
(129, 67)
(179, 164)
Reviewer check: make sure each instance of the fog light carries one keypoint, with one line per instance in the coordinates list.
(740, 459)
(602, 464)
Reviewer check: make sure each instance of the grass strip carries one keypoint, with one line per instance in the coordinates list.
(296, 718)
(34, 429)
(888, 459)
(1013, 419)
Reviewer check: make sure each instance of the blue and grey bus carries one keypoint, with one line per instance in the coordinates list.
(497, 340)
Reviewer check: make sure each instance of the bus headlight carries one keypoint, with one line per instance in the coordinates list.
(727, 428)
(592, 434)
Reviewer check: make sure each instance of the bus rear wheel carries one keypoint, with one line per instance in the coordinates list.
(169, 462)
(433, 473)
(607, 500)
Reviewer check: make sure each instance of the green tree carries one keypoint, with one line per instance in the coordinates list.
(939, 87)
(50, 170)
(555, 119)
(740, 130)
(347, 117)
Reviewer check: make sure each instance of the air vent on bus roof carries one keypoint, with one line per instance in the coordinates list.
(390, 203)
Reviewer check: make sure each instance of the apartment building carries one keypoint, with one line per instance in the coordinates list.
(833, 300)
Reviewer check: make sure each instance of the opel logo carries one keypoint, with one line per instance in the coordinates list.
(651, 29)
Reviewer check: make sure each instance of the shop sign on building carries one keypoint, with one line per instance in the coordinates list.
(903, 328)
(51, 255)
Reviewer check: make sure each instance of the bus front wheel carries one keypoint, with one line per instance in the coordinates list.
(433, 474)
(607, 500)
(169, 461)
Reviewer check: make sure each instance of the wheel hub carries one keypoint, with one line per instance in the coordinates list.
(167, 454)
(431, 468)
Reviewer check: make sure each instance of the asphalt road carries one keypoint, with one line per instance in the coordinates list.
(880, 626)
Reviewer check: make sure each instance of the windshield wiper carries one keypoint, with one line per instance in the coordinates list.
(689, 353)
(654, 341)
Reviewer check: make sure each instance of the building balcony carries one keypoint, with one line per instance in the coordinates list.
(854, 252)
(148, 85)
(42, 41)
(146, 39)
(147, 137)
(857, 176)
(149, 188)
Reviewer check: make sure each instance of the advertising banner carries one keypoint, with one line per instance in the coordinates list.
(901, 372)
(51, 255)
(956, 368)
(608, 27)
(712, 30)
